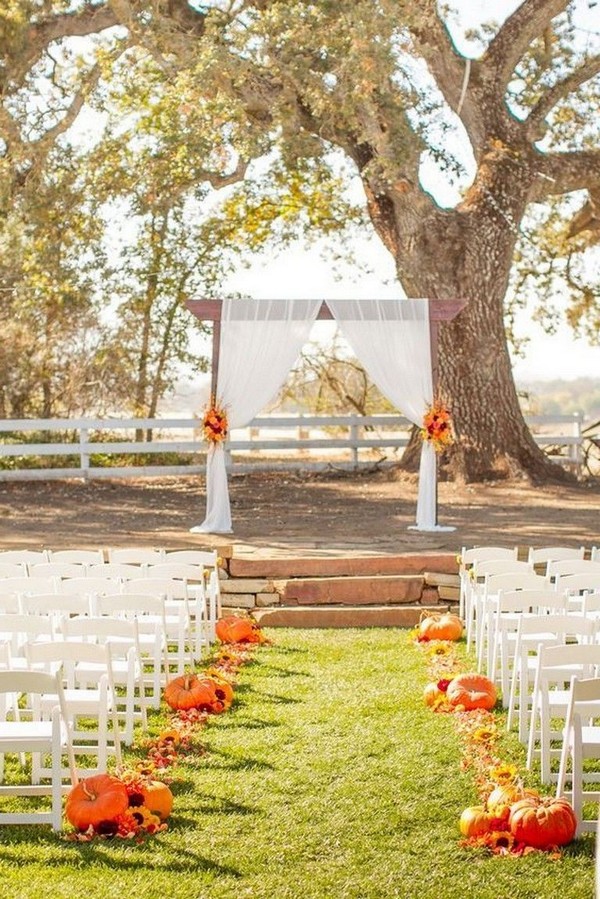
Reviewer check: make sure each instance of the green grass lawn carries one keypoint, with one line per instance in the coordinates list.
(328, 778)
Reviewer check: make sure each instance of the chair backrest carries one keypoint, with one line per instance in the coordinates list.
(578, 583)
(557, 664)
(572, 566)
(24, 555)
(130, 605)
(13, 569)
(9, 603)
(206, 558)
(114, 570)
(179, 571)
(136, 556)
(67, 655)
(515, 580)
(34, 682)
(88, 586)
(82, 556)
(500, 566)
(535, 601)
(563, 626)
(29, 585)
(119, 634)
(554, 553)
(21, 628)
(170, 588)
(595, 554)
(58, 569)
(56, 604)
(585, 689)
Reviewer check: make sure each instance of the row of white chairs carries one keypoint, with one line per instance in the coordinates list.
(537, 635)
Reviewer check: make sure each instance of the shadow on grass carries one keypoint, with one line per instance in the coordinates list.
(268, 670)
(226, 761)
(153, 852)
(247, 723)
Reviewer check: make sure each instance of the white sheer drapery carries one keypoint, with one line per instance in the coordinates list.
(391, 338)
(260, 341)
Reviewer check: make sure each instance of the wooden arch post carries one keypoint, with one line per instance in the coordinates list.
(439, 311)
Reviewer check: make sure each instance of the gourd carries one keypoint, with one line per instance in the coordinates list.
(504, 796)
(96, 799)
(235, 629)
(432, 694)
(158, 798)
(446, 626)
(188, 691)
(472, 691)
(475, 821)
(543, 823)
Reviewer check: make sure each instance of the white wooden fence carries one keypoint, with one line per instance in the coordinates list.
(299, 441)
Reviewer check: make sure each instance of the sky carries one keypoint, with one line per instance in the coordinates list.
(304, 273)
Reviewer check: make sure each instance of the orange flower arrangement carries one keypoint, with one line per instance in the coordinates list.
(215, 424)
(437, 426)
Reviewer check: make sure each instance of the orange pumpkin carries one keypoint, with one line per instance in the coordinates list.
(235, 629)
(434, 626)
(96, 799)
(472, 691)
(543, 823)
(188, 691)
(158, 798)
(475, 821)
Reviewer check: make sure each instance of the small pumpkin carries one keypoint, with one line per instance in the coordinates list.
(434, 626)
(188, 691)
(235, 629)
(503, 796)
(158, 798)
(543, 823)
(432, 694)
(96, 799)
(472, 691)
(475, 821)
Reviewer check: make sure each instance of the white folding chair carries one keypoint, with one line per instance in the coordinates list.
(535, 631)
(564, 567)
(467, 559)
(580, 742)
(177, 616)
(20, 629)
(88, 586)
(541, 556)
(82, 556)
(149, 612)
(36, 736)
(209, 559)
(26, 556)
(193, 578)
(121, 635)
(134, 555)
(575, 586)
(114, 570)
(56, 604)
(29, 585)
(494, 580)
(57, 569)
(12, 569)
(555, 666)
(595, 554)
(89, 694)
(9, 603)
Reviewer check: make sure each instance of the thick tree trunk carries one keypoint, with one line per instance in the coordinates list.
(468, 253)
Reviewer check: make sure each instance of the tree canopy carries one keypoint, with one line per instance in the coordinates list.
(204, 96)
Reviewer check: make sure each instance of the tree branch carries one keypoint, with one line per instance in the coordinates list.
(561, 90)
(562, 173)
(449, 69)
(516, 35)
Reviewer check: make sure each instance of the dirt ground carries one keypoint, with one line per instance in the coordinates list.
(325, 513)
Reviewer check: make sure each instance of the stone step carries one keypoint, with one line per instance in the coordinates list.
(348, 566)
(343, 616)
(354, 591)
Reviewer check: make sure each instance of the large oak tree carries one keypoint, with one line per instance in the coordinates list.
(384, 84)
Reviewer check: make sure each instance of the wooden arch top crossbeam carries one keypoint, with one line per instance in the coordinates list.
(210, 310)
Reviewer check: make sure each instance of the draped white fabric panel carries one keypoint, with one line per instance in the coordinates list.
(391, 339)
(260, 341)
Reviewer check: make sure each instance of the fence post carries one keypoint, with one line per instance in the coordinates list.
(576, 449)
(84, 456)
(353, 437)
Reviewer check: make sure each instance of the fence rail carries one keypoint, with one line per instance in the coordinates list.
(91, 442)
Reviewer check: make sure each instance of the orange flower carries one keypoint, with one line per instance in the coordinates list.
(437, 426)
(215, 424)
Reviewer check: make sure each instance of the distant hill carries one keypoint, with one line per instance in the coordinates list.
(559, 396)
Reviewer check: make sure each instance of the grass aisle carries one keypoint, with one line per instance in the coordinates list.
(328, 779)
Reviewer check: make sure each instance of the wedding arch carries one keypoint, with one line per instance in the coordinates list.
(256, 342)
